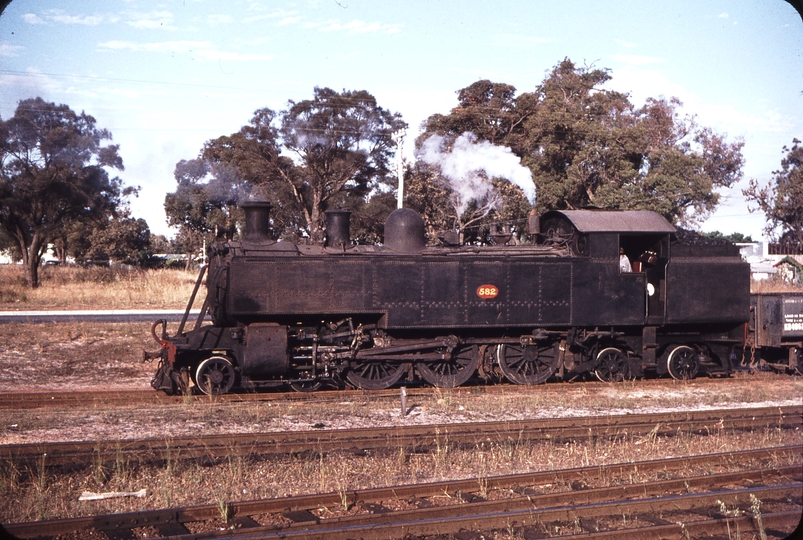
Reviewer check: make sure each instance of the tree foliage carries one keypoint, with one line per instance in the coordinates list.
(204, 205)
(53, 175)
(782, 200)
(331, 151)
(124, 239)
(588, 146)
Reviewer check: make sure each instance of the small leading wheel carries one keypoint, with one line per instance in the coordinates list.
(682, 363)
(375, 375)
(452, 372)
(611, 365)
(215, 375)
(533, 364)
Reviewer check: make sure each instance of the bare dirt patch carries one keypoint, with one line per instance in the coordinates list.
(73, 356)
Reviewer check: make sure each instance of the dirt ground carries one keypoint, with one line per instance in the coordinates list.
(108, 356)
(72, 356)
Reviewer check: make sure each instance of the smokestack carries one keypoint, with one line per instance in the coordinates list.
(534, 223)
(337, 228)
(257, 221)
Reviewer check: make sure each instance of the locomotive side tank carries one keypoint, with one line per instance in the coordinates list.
(335, 313)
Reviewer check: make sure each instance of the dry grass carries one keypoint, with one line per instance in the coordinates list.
(39, 492)
(774, 286)
(65, 287)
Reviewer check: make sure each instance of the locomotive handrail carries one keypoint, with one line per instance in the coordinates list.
(192, 300)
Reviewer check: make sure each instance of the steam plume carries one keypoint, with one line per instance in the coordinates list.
(463, 165)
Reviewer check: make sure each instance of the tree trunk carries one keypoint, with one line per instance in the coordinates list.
(31, 256)
(32, 272)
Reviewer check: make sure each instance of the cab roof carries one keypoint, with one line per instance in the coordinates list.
(622, 221)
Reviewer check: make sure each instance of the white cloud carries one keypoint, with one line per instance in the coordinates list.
(16, 86)
(288, 20)
(8, 50)
(279, 14)
(723, 15)
(624, 43)
(32, 18)
(162, 20)
(204, 50)
(219, 19)
(356, 27)
(61, 16)
(162, 46)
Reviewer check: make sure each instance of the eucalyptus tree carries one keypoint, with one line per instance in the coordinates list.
(53, 171)
(331, 151)
(782, 200)
(589, 146)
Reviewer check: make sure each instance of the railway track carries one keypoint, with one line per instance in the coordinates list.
(757, 491)
(417, 437)
(118, 398)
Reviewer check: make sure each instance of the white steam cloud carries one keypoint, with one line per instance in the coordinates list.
(463, 165)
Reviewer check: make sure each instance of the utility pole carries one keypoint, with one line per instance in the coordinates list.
(398, 137)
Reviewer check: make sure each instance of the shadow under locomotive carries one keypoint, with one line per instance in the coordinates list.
(369, 316)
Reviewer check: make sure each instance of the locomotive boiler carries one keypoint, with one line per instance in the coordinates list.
(335, 313)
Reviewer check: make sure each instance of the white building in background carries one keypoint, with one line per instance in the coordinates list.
(764, 265)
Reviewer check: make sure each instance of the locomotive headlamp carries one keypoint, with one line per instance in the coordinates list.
(650, 289)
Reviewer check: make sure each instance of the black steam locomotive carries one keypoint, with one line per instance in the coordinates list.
(335, 313)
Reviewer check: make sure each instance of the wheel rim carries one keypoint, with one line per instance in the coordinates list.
(533, 364)
(682, 363)
(306, 386)
(215, 375)
(375, 375)
(452, 372)
(611, 365)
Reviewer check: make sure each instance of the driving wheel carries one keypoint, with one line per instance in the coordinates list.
(454, 371)
(375, 374)
(531, 364)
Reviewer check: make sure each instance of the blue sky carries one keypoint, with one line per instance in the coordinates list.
(166, 76)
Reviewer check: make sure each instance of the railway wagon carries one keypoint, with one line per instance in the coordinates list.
(773, 338)
(368, 316)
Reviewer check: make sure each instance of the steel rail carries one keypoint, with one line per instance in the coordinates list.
(171, 521)
(55, 399)
(417, 437)
(419, 523)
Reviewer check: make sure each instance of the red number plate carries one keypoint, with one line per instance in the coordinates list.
(487, 291)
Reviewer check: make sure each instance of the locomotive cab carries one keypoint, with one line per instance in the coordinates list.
(637, 289)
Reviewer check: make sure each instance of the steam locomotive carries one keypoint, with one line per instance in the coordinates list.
(335, 313)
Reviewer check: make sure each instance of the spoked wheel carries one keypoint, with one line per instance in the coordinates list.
(376, 374)
(533, 364)
(452, 372)
(306, 386)
(682, 363)
(611, 365)
(215, 375)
